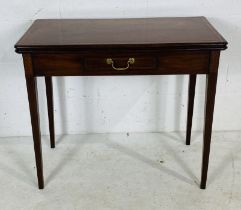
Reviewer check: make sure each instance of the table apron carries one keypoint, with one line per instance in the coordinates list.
(96, 64)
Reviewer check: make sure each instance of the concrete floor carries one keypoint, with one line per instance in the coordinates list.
(136, 171)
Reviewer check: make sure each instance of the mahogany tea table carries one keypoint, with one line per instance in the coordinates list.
(102, 47)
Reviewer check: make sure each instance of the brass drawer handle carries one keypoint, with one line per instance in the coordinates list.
(109, 61)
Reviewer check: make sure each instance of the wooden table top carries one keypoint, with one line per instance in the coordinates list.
(171, 32)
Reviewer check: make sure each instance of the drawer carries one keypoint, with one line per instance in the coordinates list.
(120, 65)
(173, 62)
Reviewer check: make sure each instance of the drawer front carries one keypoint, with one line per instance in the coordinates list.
(120, 65)
(176, 62)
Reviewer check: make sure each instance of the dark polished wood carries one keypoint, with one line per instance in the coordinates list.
(181, 62)
(209, 108)
(145, 46)
(191, 95)
(50, 102)
(147, 33)
(31, 83)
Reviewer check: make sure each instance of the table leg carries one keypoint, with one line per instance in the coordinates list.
(49, 93)
(33, 106)
(210, 99)
(209, 108)
(191, 95)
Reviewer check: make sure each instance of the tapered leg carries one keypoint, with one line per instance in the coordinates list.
(49, 93)
(209, 108)
(33, 106)
(191, 95)
(210, 99)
